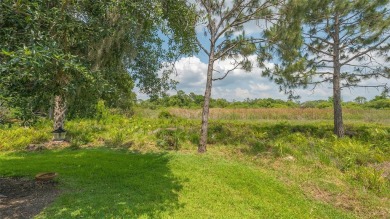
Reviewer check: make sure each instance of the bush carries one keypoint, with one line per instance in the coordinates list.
(169, 138)
(165, 115)
(218, 133)
(379, 104)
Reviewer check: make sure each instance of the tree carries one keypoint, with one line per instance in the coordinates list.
(360, 100)
(74, 53)
(342, 42)
(223, 23)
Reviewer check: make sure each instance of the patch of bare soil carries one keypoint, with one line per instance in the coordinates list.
(384, 168)
(25, 198)
(47, 145)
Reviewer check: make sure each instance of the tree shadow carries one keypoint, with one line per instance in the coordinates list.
(103, 183)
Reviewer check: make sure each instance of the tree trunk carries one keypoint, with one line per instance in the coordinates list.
(59, 112)
(206, 105)
(337, 109)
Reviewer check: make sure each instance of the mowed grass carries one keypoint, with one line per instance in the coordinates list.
(102, 183)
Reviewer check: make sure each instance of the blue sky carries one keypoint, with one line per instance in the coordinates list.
(240, 85)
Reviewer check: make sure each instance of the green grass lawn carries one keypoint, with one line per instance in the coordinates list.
(97, 183)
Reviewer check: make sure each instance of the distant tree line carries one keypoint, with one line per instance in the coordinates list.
(191, 100)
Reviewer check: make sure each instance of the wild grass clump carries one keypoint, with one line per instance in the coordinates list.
(370, 177)
(117, 139)
(351, 153)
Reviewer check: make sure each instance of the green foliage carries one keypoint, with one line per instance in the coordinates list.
(342, 43)
(18, 138)
(353, 153)
(310, 33)
(102, 112)
(183, 100)
(5, 111)
(192, 100)
(116, 140)
(165, 115)
(170, 139)
(218, 133)
(84, 50)
(378, 104)
(317, 104)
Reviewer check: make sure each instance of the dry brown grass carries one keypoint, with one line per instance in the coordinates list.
(364, 115)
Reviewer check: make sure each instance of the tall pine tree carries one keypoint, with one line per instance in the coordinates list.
(342, 42)
(224, 28)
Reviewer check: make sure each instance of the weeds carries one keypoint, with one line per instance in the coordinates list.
(370, 178)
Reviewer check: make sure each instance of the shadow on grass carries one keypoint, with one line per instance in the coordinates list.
(102, 183)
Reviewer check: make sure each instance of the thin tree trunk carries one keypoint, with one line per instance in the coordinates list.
(337, 109)
(51, 111)
(59, 112)
(206, 105)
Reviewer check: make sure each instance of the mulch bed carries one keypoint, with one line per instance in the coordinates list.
(25, 198)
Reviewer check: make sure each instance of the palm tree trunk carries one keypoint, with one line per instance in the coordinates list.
(59, 112)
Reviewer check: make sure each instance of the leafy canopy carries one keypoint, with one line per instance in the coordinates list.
(84, 50)
(312, 33)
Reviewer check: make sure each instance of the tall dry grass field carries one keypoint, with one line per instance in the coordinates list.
(364, 115)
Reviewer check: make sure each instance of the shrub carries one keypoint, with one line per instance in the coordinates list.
(194, 138)
(219, 133)
(169, 138)
(165, 115)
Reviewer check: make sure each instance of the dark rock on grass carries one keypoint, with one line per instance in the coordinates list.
(25, 198)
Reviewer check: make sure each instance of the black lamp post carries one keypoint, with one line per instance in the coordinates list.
(59, 134)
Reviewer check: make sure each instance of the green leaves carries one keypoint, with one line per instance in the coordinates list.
(83, 50)
(310, 35)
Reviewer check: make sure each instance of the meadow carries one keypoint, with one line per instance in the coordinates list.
(261, 163)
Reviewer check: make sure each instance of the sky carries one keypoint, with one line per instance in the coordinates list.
(240, 85)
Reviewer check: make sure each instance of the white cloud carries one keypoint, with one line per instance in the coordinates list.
(259, 87)
(239, 85)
